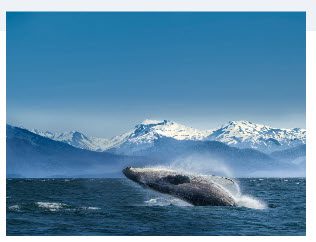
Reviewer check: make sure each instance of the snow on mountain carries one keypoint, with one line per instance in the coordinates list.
(150, 130)
(245, 134)
(144, 135)
(240, 134)
(76, 139)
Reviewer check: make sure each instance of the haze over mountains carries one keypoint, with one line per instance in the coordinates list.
(240, 148)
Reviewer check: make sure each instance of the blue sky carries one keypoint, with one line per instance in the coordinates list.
(102, 73)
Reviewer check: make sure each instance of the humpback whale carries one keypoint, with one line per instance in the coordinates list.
(198, 190)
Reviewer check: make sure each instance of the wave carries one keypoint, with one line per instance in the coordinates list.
(56, 206)
(51, 206)
(167, 201)
(15, 207)
(90, 208)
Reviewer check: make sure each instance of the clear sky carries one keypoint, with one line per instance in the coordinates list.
(102, 73)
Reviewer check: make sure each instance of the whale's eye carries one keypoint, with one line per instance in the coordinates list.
(176, 179)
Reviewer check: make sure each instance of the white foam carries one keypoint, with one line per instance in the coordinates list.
(51, 206)
(250, 202)
(14, 207)
(166, 201)
(244, 200)
(90, 208)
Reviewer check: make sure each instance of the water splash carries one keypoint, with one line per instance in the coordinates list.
(242, 200)
(90, 208)
(250, 202)
(166, 201)
(202, 164)
(15, 207)
(51, 206)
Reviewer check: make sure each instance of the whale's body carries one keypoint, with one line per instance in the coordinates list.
(195, 189)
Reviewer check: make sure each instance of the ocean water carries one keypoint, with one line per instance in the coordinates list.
(120, 207)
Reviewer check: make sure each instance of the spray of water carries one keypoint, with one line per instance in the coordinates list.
(241, 199)
(202, 164)
(250, 202)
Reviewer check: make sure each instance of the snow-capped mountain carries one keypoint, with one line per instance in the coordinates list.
(141, 137)
(146, 133)
(245, 134)
(76, 139)
(240, 134)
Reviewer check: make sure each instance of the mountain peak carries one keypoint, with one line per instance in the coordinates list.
(245, 134)
(234, 122)
(241, 123)
(151, 129)
(76, 139)
(146, 133)
(152, 121)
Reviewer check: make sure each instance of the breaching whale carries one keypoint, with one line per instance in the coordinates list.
(198, 190)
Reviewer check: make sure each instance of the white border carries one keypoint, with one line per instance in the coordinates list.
(311, 131)
(173, 5)
(162, 5)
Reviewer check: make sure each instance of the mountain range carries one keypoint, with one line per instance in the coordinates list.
(239, 134)
(238, 148)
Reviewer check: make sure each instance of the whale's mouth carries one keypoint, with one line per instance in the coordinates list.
(126, 170)
(130, 174)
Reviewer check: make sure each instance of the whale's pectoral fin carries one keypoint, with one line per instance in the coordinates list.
(176, 179)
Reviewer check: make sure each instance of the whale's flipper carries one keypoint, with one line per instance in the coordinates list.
(176, 179)
(227, 183)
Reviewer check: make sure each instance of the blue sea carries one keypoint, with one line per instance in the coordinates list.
(120, 207)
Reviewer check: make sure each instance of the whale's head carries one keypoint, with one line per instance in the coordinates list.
(140, 175)
(131, 174)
